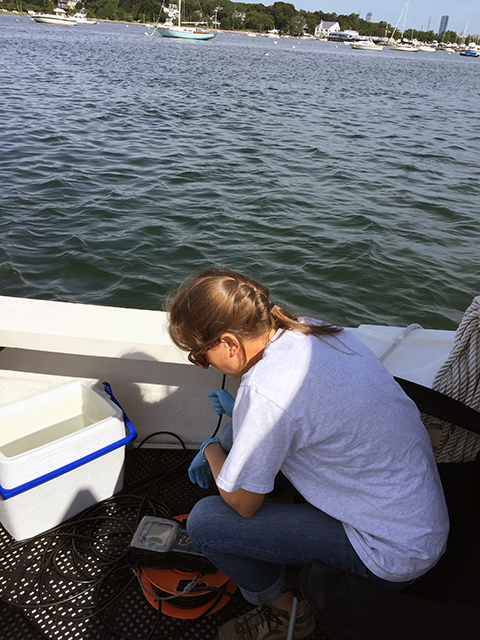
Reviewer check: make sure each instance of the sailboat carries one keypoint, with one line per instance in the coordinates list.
(192, 33)
(402, 45)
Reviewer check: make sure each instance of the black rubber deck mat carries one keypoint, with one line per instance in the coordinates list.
(73, 582)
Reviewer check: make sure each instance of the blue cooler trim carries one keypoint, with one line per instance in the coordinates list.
(131, 435)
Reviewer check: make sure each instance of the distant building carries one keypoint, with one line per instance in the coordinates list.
(369, 16)
(324, 29)
(443, 24)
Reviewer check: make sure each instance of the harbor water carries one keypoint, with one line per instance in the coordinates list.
(346, 180)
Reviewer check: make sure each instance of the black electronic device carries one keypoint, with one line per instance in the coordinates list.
(161, 543)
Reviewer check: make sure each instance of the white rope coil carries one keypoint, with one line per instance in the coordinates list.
(459, 378)
(399, 340)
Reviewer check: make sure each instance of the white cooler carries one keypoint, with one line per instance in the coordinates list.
(61, 451)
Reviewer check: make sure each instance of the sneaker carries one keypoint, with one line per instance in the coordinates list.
(266, 622)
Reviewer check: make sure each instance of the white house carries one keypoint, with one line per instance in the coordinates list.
(323, 29)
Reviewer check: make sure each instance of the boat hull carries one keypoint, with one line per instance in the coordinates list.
(400, 47)
(186, 34)
(366, 47)
(66, 22)
(85, 21)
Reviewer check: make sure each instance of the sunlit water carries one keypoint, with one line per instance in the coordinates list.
(346, 180)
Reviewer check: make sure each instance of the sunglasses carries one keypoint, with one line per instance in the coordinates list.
(199, 358)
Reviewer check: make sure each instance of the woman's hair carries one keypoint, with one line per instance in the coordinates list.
(218, 301)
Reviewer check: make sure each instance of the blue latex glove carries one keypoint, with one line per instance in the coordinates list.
(199, 470)
(222, 402)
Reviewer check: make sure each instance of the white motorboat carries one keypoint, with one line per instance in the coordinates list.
(59, 16)
(427, 48)
(81, 18)
(366, 45)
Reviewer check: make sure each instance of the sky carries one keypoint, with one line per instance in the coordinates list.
(419, 12)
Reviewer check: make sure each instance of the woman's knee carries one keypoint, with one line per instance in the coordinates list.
(203, 519)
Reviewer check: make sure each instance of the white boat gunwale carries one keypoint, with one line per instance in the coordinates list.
(47, 343)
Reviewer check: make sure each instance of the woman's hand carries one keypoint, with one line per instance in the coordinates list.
(199, 471)
(223, 402)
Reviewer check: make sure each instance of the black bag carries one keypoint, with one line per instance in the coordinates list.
(445, 603)
(355, 608)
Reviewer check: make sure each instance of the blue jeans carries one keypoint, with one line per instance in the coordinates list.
(252, 551)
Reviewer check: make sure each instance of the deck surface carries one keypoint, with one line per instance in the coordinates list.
(73, 583)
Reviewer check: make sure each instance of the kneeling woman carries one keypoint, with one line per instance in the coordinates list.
(317, 405)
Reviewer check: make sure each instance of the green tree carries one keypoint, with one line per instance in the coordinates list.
(312, 19)
(349, 22)
(107, 10)
(282, 13)
(297, 25)
(226, 24)
(259, 21)
(447, 36)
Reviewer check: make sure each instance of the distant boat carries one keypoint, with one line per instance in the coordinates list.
(403, 47)
(191, 33)
(57, 17)
(366, 45)
(81, 18)
(402, 44)
(427, 47)
(470, 54)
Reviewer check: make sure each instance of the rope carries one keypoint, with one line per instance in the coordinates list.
(399, 340)
(459, 378)
(158, 21)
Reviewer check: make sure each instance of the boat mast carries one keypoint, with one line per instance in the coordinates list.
(405, 18)
(405, 8)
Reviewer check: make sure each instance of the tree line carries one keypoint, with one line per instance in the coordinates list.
(232, 16)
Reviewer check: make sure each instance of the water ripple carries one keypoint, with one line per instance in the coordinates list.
(348, 182)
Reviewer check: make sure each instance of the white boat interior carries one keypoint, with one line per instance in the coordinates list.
(47, 343)
(74, 581)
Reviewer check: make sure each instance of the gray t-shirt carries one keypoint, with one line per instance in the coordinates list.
(327, 414)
